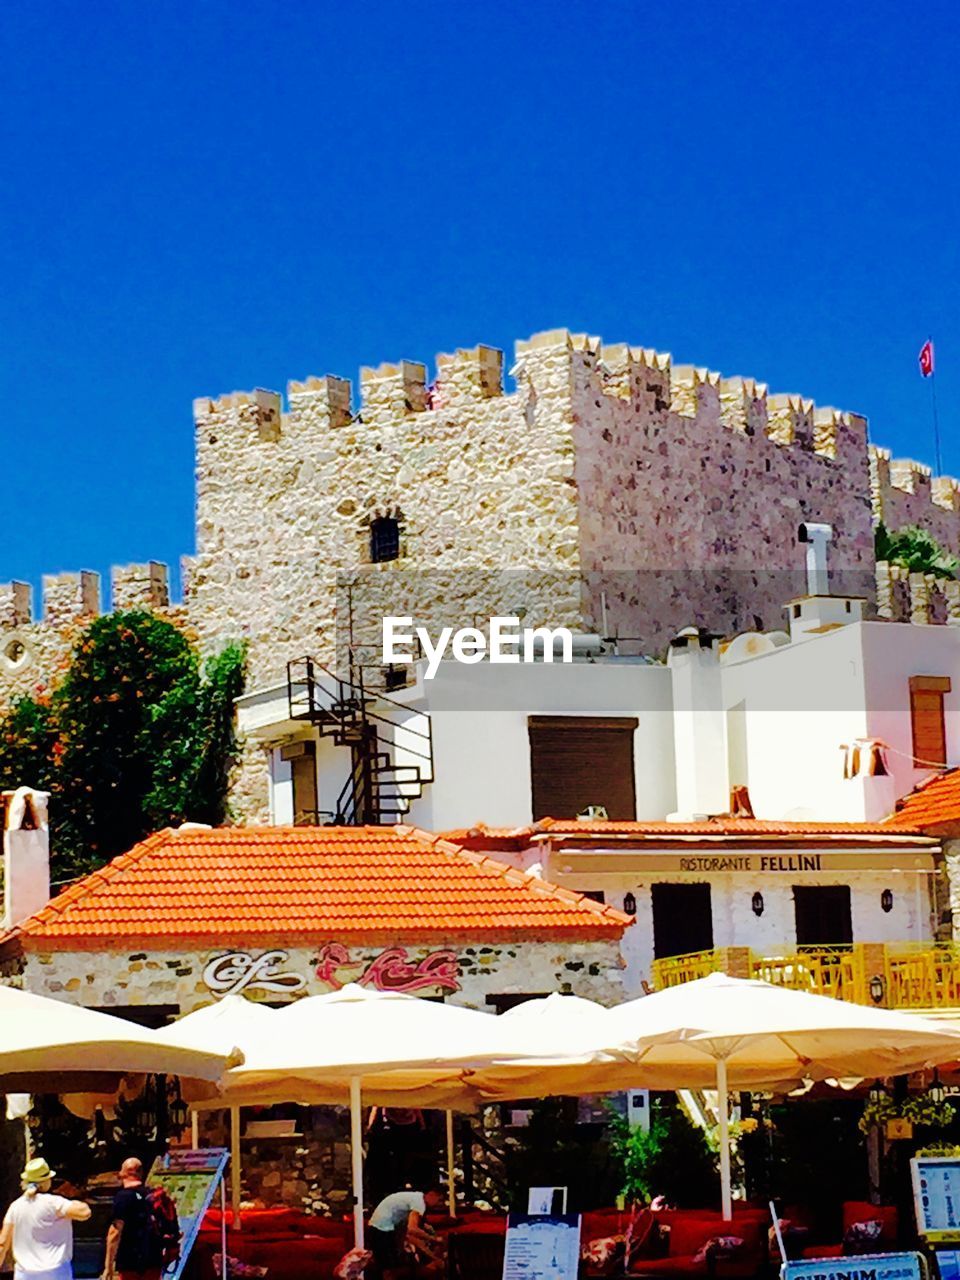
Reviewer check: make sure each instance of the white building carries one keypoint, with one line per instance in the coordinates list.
(800, 733)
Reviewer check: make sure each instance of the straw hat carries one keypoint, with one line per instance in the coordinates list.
(37, 1171)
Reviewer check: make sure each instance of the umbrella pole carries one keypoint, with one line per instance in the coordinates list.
(356, 1159)
(451, 1184)
(195, 1130)
(224, 1265)
(723, 1107)
(235, 1165)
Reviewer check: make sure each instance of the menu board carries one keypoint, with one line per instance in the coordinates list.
(542, 1248)
(190, 1178)
(878, 1266)
(936, 1196)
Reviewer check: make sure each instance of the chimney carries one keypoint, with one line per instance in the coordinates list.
(816, 536)
(699, 727)
(818, 611)
(26, 855)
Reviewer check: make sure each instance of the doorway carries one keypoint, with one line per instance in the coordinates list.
(682, 919)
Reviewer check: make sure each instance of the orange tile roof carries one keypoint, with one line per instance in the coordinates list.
(934, 806)
(241, 884)
(709, 830)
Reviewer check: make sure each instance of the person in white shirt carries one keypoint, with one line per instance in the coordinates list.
(398, 1239)
(39, 1228)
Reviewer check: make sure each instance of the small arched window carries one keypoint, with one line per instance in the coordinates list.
(384, 539)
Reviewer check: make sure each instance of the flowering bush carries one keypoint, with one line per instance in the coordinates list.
(920, 1110)
(137, 735)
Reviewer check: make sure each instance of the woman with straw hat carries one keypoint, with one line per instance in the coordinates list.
(39, 1226)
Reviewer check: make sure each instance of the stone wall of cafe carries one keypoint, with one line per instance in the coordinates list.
(314, 1171)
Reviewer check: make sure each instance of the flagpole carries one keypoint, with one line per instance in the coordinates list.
(928, 368)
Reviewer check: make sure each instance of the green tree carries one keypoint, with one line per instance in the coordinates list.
(914, 549)
(138, 736)
(672, 1159)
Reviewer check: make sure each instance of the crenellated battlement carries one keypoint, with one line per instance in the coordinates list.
(740, 404)
(904, 492)
(16, 604)
(552, 362)
(68, 597)
(33, 649)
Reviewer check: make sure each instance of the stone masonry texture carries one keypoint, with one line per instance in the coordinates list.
(611, 489)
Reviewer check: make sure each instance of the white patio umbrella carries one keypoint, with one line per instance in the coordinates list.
(44, 1038)
(727, 1033)
(562, 1045)
(232, 1020)
(394, 1049)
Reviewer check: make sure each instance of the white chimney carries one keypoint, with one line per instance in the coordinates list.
(26, 855)
(816, 536)
(699, 727)
(818, 611)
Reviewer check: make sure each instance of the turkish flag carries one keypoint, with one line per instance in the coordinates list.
(926, 359)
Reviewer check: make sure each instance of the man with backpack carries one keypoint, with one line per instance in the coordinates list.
(144, 1234)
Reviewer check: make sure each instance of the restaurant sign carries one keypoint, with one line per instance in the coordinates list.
(391, 970)
(870, 1266)
(762, 864)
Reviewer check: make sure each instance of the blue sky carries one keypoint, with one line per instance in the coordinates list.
(204, 197)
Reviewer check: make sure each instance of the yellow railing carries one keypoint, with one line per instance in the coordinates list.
(824, 971)
(674, 970)
(922, 977)
(894, 975)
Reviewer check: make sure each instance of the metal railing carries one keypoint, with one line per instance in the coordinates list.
(391, 757)
(893, 975)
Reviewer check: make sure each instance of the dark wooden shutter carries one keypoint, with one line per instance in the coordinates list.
(576, 761)
(303, 771)
(926, 719)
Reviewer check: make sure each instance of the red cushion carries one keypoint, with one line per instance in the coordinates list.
(855, 1211)
(257, 1221)
(665, 1266)
(494, 1226)
(687, 1235)
(823, 1251)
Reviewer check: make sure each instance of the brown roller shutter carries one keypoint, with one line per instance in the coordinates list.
(927, 720)
(576, 761)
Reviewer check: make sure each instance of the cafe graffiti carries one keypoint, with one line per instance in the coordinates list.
(391, 970)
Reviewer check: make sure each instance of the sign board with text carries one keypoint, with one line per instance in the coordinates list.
(867, 1266)
(762, 865)
(190, 1179)
(936, 1197)
(542, 1248)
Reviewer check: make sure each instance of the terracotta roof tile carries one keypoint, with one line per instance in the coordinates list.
(308, 883)
(934, 806)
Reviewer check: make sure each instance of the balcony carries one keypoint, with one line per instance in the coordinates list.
(922, 976)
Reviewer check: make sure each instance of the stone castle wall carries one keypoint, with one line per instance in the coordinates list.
(610, 490)
(906, 492)
(34, 652)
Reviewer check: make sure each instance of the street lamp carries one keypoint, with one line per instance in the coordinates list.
(877, 987)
